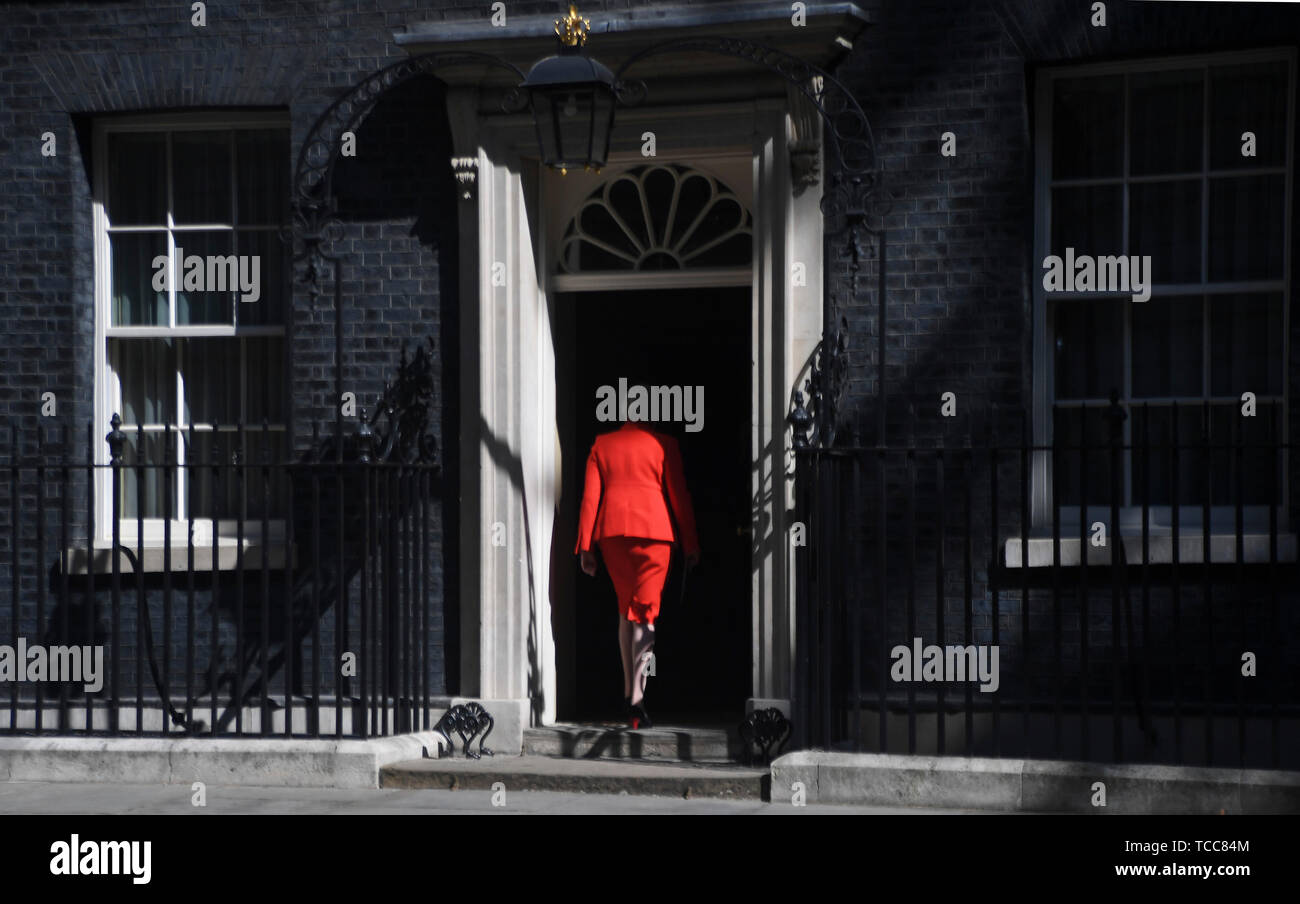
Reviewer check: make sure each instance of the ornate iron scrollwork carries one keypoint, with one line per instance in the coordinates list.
(761, 729)
(852, 184)
(847, 127)
(467, 720)
(800, 420)
(315, 209)
(820, 402)
(399, 427)
(846, 202)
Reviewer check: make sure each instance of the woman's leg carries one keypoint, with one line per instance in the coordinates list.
(643, 644)
(625, 648)
(652, 558)
(622, 575)
(638, 568)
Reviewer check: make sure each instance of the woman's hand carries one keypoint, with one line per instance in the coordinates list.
(588, 562)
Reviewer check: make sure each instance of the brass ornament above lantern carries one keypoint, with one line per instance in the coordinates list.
(572, 30)
(572, 98)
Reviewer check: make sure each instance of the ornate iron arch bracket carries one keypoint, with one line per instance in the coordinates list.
(313, 204)
(857, 173)
(315, 224)
(853, 180)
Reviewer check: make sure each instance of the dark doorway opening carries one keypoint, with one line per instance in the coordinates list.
(703, 643)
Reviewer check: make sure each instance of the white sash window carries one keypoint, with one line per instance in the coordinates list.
(184, 358)
(1146, 159)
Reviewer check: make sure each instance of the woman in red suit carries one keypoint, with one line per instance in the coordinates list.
(623, 508)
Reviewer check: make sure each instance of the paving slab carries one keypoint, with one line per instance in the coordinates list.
(874, 779)
(105, 798)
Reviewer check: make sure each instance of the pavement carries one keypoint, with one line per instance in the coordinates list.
(30, 798)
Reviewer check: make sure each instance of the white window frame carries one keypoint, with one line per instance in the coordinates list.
(108, 398)
(1222, 518)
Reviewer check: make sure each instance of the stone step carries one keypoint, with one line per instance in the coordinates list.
(675, 743)
(593, 776)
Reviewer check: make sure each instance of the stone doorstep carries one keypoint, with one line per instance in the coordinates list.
(303, 763)
(1031, 785)
(592, 776)
(697, 744)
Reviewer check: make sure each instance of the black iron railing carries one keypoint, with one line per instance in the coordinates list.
(196, 582)
(1124, 631)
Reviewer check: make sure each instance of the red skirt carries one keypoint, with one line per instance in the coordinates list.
(638, 568)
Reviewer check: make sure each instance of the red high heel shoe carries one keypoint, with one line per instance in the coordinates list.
(640, 718)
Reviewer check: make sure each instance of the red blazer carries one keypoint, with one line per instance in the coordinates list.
(630, 467)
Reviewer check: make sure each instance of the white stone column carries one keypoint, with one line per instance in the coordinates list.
(508, 447)
(516, 451)
(787, 326)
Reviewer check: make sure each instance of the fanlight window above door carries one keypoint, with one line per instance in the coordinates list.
(659, 217)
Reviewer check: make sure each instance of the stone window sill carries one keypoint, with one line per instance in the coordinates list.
(1160, 546)
(154, 558)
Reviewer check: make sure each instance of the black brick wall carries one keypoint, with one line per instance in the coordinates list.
(960, 234)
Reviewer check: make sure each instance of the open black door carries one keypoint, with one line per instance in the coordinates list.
(680, 337)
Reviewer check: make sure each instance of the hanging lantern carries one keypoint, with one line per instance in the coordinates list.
(572, 100)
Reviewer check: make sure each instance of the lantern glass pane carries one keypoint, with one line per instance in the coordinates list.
(542, 117)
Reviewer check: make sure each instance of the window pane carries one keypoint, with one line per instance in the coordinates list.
(597, 222)
(273, 273)
(1165, 222)
(201, 180)
(1248, 98)
(1165, 125)
(263, 482)
(137, 179)
(1089, 338)
(1153, 436)
(1088, 427)
(1246, 344)
(228, 491)
(1247, 223)
(146, 492)
(146, 372)
(204, 290)
(1241, 469)
(264, 366)
(1167, 345)
(211, 368)
(262, 176)
(212, 491)
(1089, 220)
(1087, 127)
(693, 195)
(135, 301)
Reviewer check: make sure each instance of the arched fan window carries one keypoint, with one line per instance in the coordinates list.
(659, 217)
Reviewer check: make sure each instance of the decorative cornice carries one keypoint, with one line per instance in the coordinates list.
(826, 35)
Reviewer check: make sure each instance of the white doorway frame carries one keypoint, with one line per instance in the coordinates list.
(510, 451)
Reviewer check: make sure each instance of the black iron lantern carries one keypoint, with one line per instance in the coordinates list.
(572, 99)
